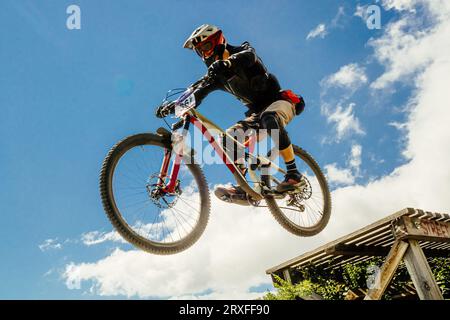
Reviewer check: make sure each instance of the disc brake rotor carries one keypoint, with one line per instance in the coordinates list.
(160, 198)
(301, 195)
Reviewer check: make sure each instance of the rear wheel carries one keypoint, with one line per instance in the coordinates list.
(304, 212)
(152, 220)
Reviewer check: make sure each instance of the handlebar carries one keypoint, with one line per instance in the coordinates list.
(178, 124)
(167, 107)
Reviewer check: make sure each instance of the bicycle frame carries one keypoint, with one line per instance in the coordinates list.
(205, 125)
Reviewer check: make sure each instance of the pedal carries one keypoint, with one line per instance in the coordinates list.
(225, 198)
(234, 199)
(273, 193)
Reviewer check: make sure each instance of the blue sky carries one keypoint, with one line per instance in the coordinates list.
(67, 96)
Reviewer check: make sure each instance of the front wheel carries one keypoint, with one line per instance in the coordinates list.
(156, 222)
(305, 212)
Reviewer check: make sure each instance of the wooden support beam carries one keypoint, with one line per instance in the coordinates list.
(287, 275)
(388, 269)
(354, 250)
(377, 251)
(421, 229)
(420, 273)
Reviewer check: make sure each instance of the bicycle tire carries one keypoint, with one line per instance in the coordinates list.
(283, 220)
(114, 215)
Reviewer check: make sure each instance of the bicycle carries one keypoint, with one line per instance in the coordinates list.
(180, 199)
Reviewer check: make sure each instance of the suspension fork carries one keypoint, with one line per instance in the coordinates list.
(164, 166)
(178, 148)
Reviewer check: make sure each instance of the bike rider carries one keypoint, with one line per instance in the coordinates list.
(239, 71)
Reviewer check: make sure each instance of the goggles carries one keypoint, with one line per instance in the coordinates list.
(205, 49)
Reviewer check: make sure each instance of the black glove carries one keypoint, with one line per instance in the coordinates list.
(218, 67)
(165, 109)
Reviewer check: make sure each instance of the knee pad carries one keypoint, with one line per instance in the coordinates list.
(270, 121)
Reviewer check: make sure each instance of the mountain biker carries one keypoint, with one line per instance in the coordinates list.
(239, 71)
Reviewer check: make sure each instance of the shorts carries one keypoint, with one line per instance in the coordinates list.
(284, 110)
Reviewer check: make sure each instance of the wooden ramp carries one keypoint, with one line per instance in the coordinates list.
(410, 235)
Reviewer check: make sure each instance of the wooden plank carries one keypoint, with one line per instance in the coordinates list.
(328, 260)
(388, 269)
(342, 262)
(432, 245)
(366, 240)
(420, 273)
(446, 247)
(427, 230)
(354, 260)
(381, 239)
(433, 215)
(383, 243)
(371, 235)
(441, 246)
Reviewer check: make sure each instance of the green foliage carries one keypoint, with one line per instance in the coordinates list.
(441, 271)
(287, 291)
(333, 283)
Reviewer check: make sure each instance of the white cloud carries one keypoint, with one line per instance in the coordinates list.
(323, 29)
(408, 38)
(401, 5)
(345, 176)
(344, 120)
(398, 125)
(231, 256)
(350, 76)
(361, 11)
(228, 259)
(97, 237)
(338, 17)
(339, 176)
(355, 157)
(50, 244)
(319, 31)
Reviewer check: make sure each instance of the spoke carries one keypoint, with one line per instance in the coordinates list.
(309, 208)
(132, 180)
(175, 215)
(169, 233)
(153, 223)
(182, 216)
(196, 210)
(319, 207)
(189, 200)
(289, 208)
(129, 188)
(139, 209)
(127, 196)
(137, 203)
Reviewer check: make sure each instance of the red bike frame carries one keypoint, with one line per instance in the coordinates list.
(191, 118)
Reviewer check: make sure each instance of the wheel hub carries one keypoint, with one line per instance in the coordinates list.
(159, 196)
